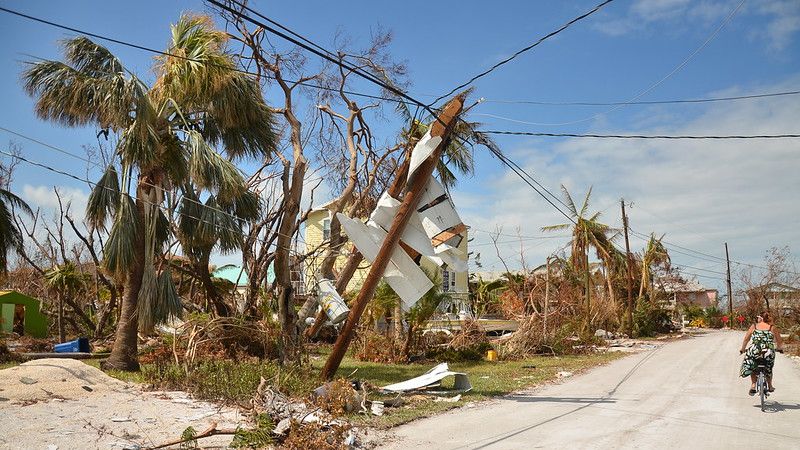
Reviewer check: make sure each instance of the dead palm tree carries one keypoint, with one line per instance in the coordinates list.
(65, 281)
(167, 138)
(587, 232)
(655, 254)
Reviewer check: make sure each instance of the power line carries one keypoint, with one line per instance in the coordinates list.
(677, 68)
(325, 55)
(714, 259)
(313, 48)
(652, 102)
(521, 51)
(159, 52)
(642, 136)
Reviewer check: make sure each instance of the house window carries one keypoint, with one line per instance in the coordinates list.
(448, 281)
(326, 229)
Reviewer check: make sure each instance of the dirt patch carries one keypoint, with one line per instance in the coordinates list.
(68, 404)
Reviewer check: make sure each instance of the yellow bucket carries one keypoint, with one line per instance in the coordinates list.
(491, 355)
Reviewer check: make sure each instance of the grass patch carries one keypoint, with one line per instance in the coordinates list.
(489, 379)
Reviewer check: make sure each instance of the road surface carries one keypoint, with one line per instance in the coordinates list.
(685, 394)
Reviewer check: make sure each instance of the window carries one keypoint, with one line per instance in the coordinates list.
(326, 229)
(448, 280)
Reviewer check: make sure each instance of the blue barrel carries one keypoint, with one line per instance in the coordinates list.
(78, 345)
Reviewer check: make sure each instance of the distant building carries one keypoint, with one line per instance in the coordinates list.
(780, 297)
(687, 292)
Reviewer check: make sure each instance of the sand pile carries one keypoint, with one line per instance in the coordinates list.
(45, 379)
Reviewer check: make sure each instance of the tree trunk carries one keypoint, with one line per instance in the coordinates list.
(212, 293)
(124, 354)
(398, 320)
(105, 312)
(61, 334)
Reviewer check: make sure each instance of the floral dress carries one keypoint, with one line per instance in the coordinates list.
(760, 350)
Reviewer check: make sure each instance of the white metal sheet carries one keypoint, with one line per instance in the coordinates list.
(402, 274)
(422, 151)
(414, 235)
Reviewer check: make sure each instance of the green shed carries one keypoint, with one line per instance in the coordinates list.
(35, 323)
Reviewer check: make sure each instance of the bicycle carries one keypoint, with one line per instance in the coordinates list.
(761, 382)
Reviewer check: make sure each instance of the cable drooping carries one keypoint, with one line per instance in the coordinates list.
(521, 51)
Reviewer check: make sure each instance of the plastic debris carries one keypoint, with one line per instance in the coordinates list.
(432, 378)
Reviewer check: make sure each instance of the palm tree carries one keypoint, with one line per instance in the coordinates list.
(65, 281)
(587, 232)
(10, 235)
(655, 254)
(167, 138)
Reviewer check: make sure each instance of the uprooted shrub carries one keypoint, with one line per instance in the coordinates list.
(317, 436)
(468, 344)
(372, 346)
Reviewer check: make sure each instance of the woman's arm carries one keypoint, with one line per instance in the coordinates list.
(747, 338)
(778, 340)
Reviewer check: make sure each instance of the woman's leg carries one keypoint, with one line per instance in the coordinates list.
(753, 380)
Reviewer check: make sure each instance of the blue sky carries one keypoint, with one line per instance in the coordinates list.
(699, 193)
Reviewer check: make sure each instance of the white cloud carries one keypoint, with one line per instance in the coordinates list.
(44, 197)
(700, 193)
(782, 17)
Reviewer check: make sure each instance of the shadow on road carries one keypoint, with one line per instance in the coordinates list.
(577, 400)
(774, 407)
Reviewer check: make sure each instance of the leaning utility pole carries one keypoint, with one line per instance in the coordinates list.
(631, 306)
(730, 292)
(441, 127)
(546, 298)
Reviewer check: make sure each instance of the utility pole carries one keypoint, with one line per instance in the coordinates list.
(546, 298)
(730, 291)
(441, 127)
(631, 306)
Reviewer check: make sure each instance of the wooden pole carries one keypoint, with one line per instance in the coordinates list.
(546, 298)
(351, 265)
(439, 128)
(730, 291)
(631, 305)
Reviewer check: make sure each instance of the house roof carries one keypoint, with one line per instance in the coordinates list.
(675, 284)
(233, 273)
(776, 287)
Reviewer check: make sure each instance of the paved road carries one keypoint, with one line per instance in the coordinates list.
(685, 394)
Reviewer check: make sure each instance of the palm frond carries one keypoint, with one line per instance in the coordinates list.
(75, 96)
(559, 227)
(586, 203)
(91, 58)
(209, 170)
(161, 303)
(16, 202)
(10, 235)
(119, 251)
(570, 204)
(201, 77)
(104, 199)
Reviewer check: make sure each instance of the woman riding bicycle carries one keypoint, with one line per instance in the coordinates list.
(759, 346)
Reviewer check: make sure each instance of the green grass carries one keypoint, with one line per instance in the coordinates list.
(236, 381)
(489, 379)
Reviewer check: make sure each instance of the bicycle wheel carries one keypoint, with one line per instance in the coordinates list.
(762, 388)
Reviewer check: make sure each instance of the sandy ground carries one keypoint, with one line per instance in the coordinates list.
(684, 394)
(66, 404)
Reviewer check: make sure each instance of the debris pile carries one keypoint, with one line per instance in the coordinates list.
(300, 424)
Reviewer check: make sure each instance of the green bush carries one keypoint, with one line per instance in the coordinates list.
(650, 319)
